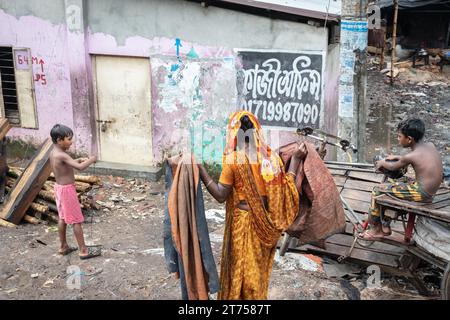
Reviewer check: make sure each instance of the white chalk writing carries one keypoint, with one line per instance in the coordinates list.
(289, 112)
(268, 80)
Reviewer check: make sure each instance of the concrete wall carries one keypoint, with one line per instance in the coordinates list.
(212, 27)
(65, 41)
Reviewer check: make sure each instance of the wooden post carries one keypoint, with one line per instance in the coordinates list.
(394, 40)
(388, 145)
(383, 45)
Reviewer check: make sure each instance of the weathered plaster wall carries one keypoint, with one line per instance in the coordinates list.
(50, 10)
(191, 22)
(197, 96)
(54, 33)
(142, 28)
(208, 37)
(47, 42)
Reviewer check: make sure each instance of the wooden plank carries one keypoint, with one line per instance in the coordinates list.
(360, 185)
(358, 205)
(441, 197)
(339, 180)
(367, 176)
(350, 164)
(337, 172)
(28, 185)
(353, 169)
(439, 205)
(442, 190)
(358, 254)
(414, 208)
(362, 216)
(5, 126)
(376, 246)
(356, 195)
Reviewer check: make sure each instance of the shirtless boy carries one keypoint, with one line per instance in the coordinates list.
(427, 164)
(69, 210)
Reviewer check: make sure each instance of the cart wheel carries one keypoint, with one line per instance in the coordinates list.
(445, 285)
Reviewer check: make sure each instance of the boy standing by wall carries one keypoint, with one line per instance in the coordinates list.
(69, 209)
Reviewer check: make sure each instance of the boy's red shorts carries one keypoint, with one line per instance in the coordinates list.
(67, 203)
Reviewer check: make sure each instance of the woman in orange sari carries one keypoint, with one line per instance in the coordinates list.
(261, 202)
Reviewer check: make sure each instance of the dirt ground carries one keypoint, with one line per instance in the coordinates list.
(132, 265)
(421, 92)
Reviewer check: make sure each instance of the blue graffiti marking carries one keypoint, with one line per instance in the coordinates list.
(178, 45)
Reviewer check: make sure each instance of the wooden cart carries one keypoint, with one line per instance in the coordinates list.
(396, 254)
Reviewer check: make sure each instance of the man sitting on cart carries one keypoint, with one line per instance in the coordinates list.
(427, 165)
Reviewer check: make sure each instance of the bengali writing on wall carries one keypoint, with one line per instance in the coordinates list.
(282, 89)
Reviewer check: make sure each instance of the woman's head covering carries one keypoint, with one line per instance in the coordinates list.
(270, 163)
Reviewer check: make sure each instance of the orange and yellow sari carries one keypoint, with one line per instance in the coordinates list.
(250, 237)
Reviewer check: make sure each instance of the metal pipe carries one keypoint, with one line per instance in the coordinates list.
(356, 164)
(349, 209)
(323, 140)
(352, 169)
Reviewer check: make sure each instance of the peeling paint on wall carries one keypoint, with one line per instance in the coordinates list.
(194, 98)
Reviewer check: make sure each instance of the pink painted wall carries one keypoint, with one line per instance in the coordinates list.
(47, 42)
(100, 43)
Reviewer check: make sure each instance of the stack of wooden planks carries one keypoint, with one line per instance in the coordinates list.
(27, 186)
(30, 194)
